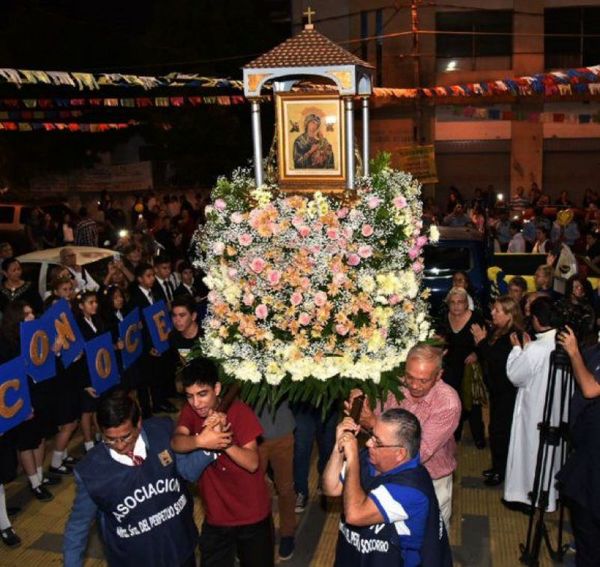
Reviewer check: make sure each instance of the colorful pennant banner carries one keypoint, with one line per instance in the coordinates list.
(138, 102)
(10, 126)
(94, 81)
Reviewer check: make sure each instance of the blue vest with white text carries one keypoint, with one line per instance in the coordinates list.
(380, 545)
(145, 512)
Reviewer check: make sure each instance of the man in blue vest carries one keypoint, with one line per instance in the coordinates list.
(130, 484)
(390, 512)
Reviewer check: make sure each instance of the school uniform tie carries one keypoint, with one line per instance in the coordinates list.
(137, 460)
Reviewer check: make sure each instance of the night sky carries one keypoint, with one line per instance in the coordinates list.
(149, 37)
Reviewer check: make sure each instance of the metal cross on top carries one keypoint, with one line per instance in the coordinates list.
(309, 14)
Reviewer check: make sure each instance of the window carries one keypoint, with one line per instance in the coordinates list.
(575, 51)
(7, 215)
(444, 261)
(457, 45)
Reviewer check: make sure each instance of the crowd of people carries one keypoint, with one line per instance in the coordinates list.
(525, 223)
(396, 492)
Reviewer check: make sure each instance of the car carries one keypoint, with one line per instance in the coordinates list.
(458, 249)
(14, 217)
(37, 265)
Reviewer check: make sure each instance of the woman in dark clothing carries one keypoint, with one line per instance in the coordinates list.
(494, 347)
(66, 406)
(14, 287)
(460, 352)
(29, 435)
(91, 326)
(114, 309)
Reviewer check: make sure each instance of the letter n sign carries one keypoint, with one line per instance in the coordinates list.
(102, 363)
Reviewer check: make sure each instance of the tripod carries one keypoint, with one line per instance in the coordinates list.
(553, 441)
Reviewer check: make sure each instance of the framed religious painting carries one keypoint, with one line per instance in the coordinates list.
(310, 134)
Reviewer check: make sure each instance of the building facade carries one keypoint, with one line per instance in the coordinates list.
(479, 142)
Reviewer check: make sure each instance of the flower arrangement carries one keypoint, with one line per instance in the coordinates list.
(311, 296)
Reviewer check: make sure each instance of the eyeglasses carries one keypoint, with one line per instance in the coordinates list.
(119, 440)
(377, 444)
(419, 381)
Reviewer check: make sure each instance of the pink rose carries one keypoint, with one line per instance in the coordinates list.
(414, 252)
(237, 217)
(274, 277)
(367, 230)
(332, 233)
(421, 241)
(315, 249)
(304, 319)
(304, 283)
(373, 202)
(348, 232)
(218, 248)
(257, 265)
(365, 251)
(417, 267)
(353, 260)
(248, 299)
(232, 272)
(304, 231)
(320, 298)
(261, 311)
(297, 222)
(220, 205)
(399, 202)
(342, 213)
(341, 330)
(213, 296)
(296, 298)
(339, 278)
(394, 299)
(245, 239)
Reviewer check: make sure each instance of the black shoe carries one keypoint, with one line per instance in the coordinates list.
(51, 480)
(494, 480)
(12, 511)
(62, 470)
(42, 493)
(487, 473)
(9, 537)
(70, 461)
(517, 506)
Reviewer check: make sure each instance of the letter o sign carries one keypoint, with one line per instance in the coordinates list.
(103, 363)
(39, 348)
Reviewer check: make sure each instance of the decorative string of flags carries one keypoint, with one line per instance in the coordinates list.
(585, 80)
(477, 113)
(94, 81)
(112, 102)
(11, 126)
(39, 361)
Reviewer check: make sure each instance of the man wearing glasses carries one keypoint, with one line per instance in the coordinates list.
(390, 511)
(130, 483)
(437, 407)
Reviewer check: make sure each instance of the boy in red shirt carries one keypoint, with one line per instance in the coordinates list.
(233, 491)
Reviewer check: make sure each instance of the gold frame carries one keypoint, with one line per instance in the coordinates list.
(287, 105)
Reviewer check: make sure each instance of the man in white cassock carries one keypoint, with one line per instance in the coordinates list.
(527, 368)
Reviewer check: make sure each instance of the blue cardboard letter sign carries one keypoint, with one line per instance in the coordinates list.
(15, 404)
(37, 341)
(158, 321)
(131, 335)
(102, 364)
(67, 331)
